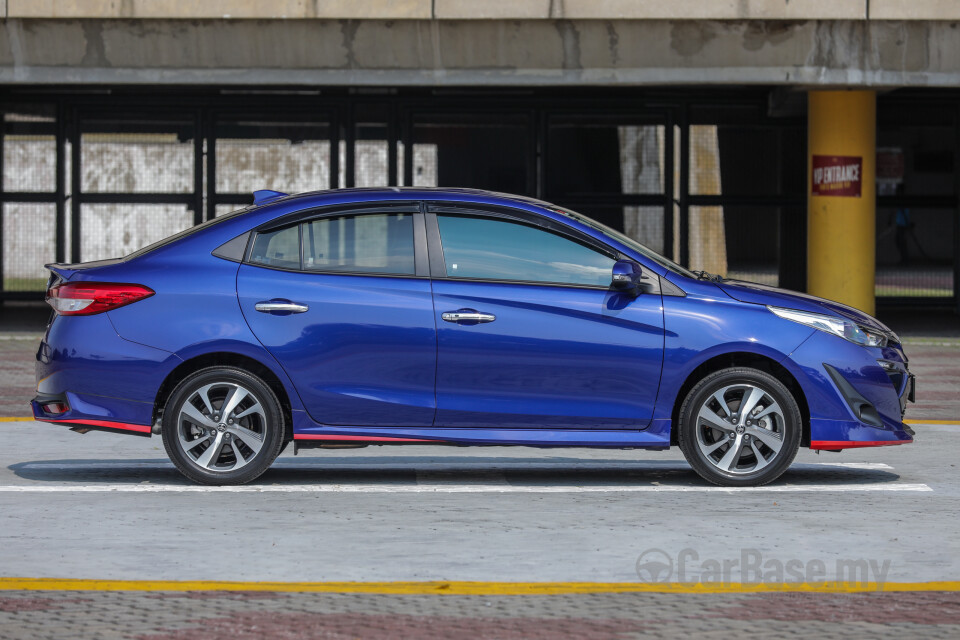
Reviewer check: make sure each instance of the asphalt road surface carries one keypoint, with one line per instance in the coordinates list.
(498, 543)
(104, 506)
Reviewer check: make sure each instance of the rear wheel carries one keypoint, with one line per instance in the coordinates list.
(222, 426)
(740, 427)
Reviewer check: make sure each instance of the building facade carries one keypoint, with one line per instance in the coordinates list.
(686, 124)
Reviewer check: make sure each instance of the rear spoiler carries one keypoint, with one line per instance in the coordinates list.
(59, 272)
(62, 271)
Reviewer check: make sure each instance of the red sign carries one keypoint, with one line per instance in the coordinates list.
(890, 164)
(836, 176)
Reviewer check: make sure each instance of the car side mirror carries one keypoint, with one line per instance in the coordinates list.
(626, 277)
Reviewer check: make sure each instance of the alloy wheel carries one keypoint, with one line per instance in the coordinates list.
(221, 427)
(740, 429)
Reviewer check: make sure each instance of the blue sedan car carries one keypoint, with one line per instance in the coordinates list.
(449, 316)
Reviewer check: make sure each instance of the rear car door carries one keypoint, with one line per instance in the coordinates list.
(530, 333)
(343, 301)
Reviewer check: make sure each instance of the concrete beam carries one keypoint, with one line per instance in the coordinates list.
(653, 9)
(481, 52)
(488, 9)
(914, 10)
(221, 9)
(492, 9)
(452, 9)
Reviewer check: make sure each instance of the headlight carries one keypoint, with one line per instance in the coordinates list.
(846, 329)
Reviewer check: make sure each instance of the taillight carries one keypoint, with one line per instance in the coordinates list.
(88, 298)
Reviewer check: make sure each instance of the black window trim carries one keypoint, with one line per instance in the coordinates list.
(299, 218)
(524, 217)
(354, 208)
(438, 269)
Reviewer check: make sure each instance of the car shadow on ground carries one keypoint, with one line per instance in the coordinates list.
(413, 470)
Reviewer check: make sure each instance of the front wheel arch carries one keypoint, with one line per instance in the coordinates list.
(741, 359)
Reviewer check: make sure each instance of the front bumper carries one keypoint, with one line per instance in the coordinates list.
(856, 436)
(853, 401)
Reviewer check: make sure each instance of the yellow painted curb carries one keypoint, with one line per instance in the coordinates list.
(24, 419)
(464, 588)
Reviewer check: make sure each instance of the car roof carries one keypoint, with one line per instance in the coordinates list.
(363, 194)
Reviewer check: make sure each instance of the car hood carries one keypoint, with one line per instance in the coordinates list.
(755, 293)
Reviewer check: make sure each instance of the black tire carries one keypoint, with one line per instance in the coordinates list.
(710, 448)
(257, 437)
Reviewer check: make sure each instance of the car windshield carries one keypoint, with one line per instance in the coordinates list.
(664, 262)
(183, 234)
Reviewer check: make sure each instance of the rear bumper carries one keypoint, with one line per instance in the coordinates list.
(97, 375)
(78, 414)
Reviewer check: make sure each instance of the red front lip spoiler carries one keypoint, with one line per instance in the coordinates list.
(833, 445)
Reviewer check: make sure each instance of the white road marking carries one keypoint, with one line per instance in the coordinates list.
(846, 465)
(455, 488)
(439, 466)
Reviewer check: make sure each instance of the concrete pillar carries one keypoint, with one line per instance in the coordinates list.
(841, 256)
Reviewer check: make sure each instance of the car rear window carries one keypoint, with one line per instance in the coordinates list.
(183, 234)
(372, 243)
(280, 248)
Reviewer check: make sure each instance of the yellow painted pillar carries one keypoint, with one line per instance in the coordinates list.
(841, 141)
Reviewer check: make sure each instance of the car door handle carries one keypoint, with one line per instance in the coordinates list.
(468, 315)
(290, 307)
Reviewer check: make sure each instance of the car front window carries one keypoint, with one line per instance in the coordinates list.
(496, 249)
(626, 240)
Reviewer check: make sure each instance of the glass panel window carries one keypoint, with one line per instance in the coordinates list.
(501, 250)
(29, 231)
(263, 153)
(137, 155)
(586, 159)
(115, 230)
(29, 148)
(279, 248)
(747, 160)
(915, 252)
(486, 153)
(374, 243)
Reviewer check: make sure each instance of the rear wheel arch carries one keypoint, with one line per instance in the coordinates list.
(742, 359)
(225, 359)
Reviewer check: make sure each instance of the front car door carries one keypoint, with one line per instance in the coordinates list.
(343, 301)
(529, 332)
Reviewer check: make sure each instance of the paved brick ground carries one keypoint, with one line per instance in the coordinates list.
(937, 367)
(17, 378)
(282, 616)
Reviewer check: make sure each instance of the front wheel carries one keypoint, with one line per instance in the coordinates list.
(740, 427)
(222, 426)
